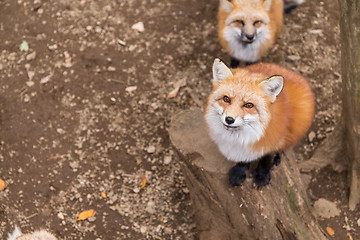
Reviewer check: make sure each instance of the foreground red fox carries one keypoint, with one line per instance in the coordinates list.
(248, 28)
(255, 112)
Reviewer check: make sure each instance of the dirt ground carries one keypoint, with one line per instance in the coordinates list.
(84, 111)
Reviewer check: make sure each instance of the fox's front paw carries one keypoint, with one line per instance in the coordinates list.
(260, 177)
(237, 174)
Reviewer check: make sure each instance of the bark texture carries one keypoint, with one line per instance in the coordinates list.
(350, 67)
(280, 210)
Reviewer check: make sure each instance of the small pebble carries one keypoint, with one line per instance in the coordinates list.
(151, 149)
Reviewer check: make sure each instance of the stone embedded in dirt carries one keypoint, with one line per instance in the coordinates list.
(53, 47)
(293, 57)
(91, 219)
(167, 160)
(139, 27)
(111, 69)
(143, 229)
(31, 75)
(31, 56)
(151, 149)
(30, 83)
(325, 209)
(150, 208)
(311, 136)
(168, 230)
(61, 216)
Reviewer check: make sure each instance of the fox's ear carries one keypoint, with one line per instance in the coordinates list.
(220, 71)
(226, 5)
(267, 5)
(273, 86)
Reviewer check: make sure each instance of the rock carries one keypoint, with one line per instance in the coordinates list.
(143, 229)
(61, 216)
(167, 160)
(150, 208)
(151, 149)
(53, 47)
(111, 69)
(325, 209)
(30, 83)
(311, 136)
(139, 27)
(31, 56)
(91, 219)
(293, 57)
(31, 75)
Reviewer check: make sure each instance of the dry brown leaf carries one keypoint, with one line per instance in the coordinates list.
(330, 231)
(177, 86)
(2, 185)
(173, 93)
(143, 182)
(86, 214)
(103, 194)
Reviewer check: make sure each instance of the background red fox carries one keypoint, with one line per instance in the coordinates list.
(255, 112)
(248, 28)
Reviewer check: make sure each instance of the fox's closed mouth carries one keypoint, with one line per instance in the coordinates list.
(230, 127)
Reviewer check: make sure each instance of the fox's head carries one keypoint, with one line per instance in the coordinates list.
(246, 21)
(239, 104)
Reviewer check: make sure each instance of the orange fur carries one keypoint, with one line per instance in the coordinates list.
(292, 112)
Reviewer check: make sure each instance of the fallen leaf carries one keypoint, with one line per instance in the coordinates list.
(130, 89)
(2, 185)
(330, 231)
(139, 27)
(86, 214)
(103, 195)
(24, 47)
(143, 182)
(173, 93)
(177, 86)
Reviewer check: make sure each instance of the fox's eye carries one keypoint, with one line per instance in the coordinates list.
(241, 22)
(226, 99)
(248, 105)
(257, 23)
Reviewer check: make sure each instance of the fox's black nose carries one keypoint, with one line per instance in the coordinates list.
(250, 37)
(229, 120)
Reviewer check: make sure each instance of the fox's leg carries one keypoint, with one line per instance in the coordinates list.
(261, 174)
(234, 63)
(237, 174)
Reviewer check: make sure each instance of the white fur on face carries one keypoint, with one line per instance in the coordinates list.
(235, 143)
(248, 52)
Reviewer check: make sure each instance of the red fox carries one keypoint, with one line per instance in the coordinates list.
(37, 235)
(255, 112)
(247, 29)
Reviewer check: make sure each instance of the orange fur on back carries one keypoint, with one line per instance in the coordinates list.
(292, 112)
